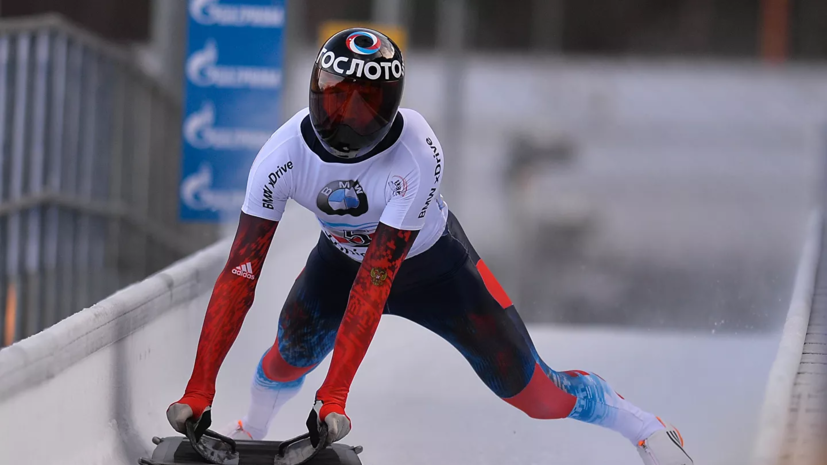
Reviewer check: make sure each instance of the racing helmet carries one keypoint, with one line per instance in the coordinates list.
(355, 91)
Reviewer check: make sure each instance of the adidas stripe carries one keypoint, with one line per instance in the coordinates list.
(245, 270)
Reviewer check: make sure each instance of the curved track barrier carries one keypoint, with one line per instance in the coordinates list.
(71, 389)
(774, 426)
(93, 388)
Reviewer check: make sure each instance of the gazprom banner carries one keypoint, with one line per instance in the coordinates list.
(233, 95)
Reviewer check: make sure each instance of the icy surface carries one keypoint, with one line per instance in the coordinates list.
(416, 401)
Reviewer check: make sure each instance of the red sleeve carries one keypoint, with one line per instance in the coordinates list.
(364, 309)
(231, 298)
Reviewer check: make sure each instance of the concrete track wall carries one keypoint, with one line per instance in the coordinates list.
(93, 388)
(81, 391)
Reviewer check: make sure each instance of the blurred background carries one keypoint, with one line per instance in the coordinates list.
(619, 162)
(640, 165)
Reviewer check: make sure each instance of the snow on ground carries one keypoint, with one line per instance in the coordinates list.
(416, 401)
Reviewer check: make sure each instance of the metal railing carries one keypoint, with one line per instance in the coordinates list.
(88, 173)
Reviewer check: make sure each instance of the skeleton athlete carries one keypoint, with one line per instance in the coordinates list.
(371, 173)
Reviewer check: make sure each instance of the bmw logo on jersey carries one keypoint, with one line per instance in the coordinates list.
(343, 198)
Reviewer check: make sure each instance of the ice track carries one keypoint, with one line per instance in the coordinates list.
(415, 401)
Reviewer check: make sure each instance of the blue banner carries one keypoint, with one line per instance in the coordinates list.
(233, 96)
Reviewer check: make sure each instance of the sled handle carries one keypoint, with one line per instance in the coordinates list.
(213, 450)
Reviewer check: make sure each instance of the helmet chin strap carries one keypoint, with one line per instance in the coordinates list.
(346, 155)
(350, 155)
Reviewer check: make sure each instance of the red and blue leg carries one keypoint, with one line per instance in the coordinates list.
(472, 312)
(307, 330)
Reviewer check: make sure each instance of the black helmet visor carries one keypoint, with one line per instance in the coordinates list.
(352, 114)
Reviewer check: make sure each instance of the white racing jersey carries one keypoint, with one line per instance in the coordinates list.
(398, 184)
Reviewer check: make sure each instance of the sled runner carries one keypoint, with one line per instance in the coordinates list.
(211, 447)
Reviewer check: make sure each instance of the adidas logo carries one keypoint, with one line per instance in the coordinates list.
(245, 270)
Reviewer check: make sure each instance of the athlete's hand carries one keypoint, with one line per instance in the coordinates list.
(331, 415)
(189, 407)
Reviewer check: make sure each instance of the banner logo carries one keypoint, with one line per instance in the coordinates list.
(214, 13)
(203, 70)
(200, 132)
(233, 76)
(197, 192)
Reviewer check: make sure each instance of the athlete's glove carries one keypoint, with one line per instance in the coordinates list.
(331, 415)
(189, 407)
